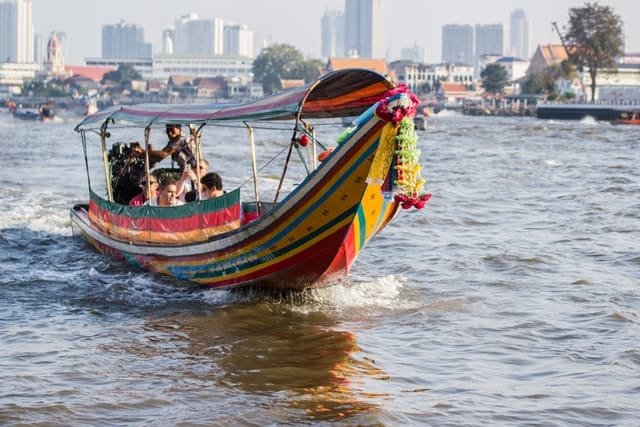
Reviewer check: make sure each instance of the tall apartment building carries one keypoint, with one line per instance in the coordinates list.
(414, 54)
(195, 36)
(520, 35)
(364, 35)
(238, 40)
(457, 44)
(489, 40)
(16, 32)
(167, 41)
(332, 34)
(122, 40)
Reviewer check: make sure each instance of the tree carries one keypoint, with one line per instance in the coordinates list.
(594, 38)
(309, 70)
(124, 74)
(545, 82)
(424, 88)
(42, 88)
(494, 78)
(282, 61)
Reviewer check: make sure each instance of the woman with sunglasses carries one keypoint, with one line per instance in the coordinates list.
(141, 198)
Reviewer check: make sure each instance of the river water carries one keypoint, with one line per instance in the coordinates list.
(513, 298)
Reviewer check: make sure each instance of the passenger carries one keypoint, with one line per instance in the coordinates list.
(167, 196)
(211, 186)
(177, 147)
(188, 179)
(141, 198)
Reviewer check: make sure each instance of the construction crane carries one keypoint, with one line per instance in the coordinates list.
(569, 56)
(564, 45)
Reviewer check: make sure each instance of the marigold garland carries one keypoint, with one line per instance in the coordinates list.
(408, 183)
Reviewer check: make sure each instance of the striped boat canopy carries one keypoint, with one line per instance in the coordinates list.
(341, 93)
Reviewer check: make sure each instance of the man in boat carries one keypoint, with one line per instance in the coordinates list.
(188, 179)
(211, 186)
(177, 147)
(167, 196)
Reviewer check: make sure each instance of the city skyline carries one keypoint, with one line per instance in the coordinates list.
(299, 23)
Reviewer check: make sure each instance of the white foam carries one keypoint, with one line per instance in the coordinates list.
(589, 121)
(37, 217)
(370, 297)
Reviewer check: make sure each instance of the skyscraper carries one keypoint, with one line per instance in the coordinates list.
(489, 40)
(415, 53)
(520, 38)
(332, 33)
(364, 28)
(167, 41)
(195, 36)
(124, 41)
(16, 32)
(238, 40)
(457, 44)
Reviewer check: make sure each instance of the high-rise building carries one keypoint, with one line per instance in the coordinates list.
(122, 41)
(520, 35)
(332, 33)
(364, 28)
(238, 40)
(167, 41)
(489, 40)
(16, 32)
(457, 44)
(414, 54)
(195, 36)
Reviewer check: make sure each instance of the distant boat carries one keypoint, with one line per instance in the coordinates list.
(600, 112)
(308, 239)
(628, 117)
(44, 112)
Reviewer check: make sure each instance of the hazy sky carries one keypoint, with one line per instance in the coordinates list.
(297, 22)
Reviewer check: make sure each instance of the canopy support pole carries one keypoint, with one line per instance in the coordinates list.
(86, 159)
(254, 166)
(105, 158)
(147, 137)
(196, 133)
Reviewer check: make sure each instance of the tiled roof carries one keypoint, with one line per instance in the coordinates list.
(449, 87)
(379, 65)
(553, 53)
(290, 83)
(178, 80)
(93, 73)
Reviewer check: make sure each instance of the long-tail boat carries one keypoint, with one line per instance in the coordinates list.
(307, 238)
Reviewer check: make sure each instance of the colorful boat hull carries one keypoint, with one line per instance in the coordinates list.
(309, 239)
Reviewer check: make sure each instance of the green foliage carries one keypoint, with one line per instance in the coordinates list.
(424, 89)
(42, 89)
(310, 70)
(124, 74)
(283, 61)
(594, 38)
(494, 78)
(545, 82)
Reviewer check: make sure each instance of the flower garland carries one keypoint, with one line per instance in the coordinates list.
(408, 183)
(396, 113)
